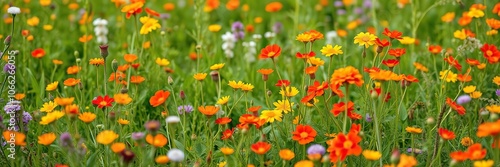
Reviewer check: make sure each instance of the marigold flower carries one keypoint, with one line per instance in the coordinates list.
(304, 163)
(260, 147)
(133, 9)
(130, 58)
(371, 155)
(420, 67)
(148, 24)
(391, 63)
(270, 51)
(122, 98)
(200, 76)
(385, 75)
(18, 137)
(136, 79)
(488, 129)
(47, 138)
(406, 160)
(85, 38)
(435, 49)
(208, 110)
(159, 98)
(273, 7)
(289, 91)
(367, 39)
(214, 28)
(73, 69)
(96, 61)
(71, 82)
(38, 53)
(484, 163)
(466, 141)
(159, 140)
(106, 137)
(394, 34)
(460, 109)
(448, 17)
(102, 102)
(286, 154)
(347, 75)
(330, 50)
(413, 130)
(87, 117)
(48, 106)
(304, 134)
(344, 145)
(271, 115)
(51, 117)
(162, 62)
(162, 159)
(227, 150)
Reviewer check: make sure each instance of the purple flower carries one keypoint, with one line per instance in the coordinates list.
(277, 27)
(498, 92)
(164, 16)
(338, 4)
(185, 109)
(239, 35)
(12, 107)
(358, 10)
(367, 3)
(9, 68)
(237, 26)
(137, 136)
(152, 126)
(341, 12)
(27, 117)
(66, 139)
(463, 99)
(316, 149)
(368, 118)
(416, 150)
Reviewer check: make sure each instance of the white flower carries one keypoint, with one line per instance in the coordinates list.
(257, 36)
(269, 34)
(173, 119)
(13, 10)
(175, 155)
(100, 22)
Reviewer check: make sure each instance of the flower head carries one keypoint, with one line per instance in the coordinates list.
(365, 38)
(304, 134)
(159, 98)
(260, 147)
(270, 51)
(46, 139)
(102, 102)
(106, 137)
(148, 24)
(175, 155)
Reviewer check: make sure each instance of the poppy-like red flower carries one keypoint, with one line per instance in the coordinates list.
(454, 62)
(305, 55)
(260, 147)
(476, 152)
(370, 70)
(223, 121)
(390, 62)
(304, 134)
(394, 34)
(460, 109)
(472, 62)
(398, 52)
(159, 98)
(38, 53)
(283, 83)
(102, 102)
(435, 49)
(228, 133)
(382, 43)
(344, 145)
(270, 51)
(491, 53)
(317, 89)
(341, 107)
(446, 134)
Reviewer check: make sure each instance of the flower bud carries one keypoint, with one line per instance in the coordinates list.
(124, 90)
(112, 115)
(114, 64)
(170, 80)
(269, 93)
(430, 121)
(127, 156)
(198, 47)
(104, 51)
(7, 40)
(493, 116)
(380, 49)
(182, 95)
(78, 60)
(215, 76)
(76, 53)
(395, 156)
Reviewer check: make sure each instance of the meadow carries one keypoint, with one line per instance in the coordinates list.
(393, 83)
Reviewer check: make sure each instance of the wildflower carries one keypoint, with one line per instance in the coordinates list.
(476, 13)
(304, 134)
(137, 136)
(390, 63)
(371, 155)
(118, 147)
(420, 67)
(349, 75)
(211, 5)
(71, 109)
(460, 109)
(493, 108)
(407, 40)
(341, 107)
(460, 34)
(102, 102)
(304, 163)
(162, 159)
(73, 69)
(38, 53)
(136, 79)
(159, 98)
(217, 66)
(101, 30)
(488, 129)
(315, 152)
(446, 134)
(226, 134)
(469, 89)
(448, 76)
(185, 109)
(13, 10)
(304, 37)
(200, 76)
(394, 34)
(247, 87)
(459, 156)
(96, 61)
(122, 98)
(270, 51)
(33, 21)
(48, 106)
(175, 155)
(130, 58)
(448, 17)
(46, 139)
(463, 99)
(148, 25)
(51, 117)
(265, 73)
(491, 53)
(227, 150)
(367, 39)
(122, 121)
(476, 152)
(289, 91)
(286, 154)
(214, 28)
(405, 160)
(85, 38)
(133, 9)
(87, 117)
(223, 121)
(17, 136)
(315, 61)
(158, 140)
(162, 62)
(271, 115)
(273, 7)
(330, 50)
(260, 148)
(435, 49)
(476, 94)
(344, 145)
(106, 137)
(223, 100)
(413, 130)
(398, 52)
(454, 62)
(208, 110)
(484, 163)
(466, 141)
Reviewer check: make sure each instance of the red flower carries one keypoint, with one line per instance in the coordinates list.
(309, 98)
(260, 147)
(454, 62)
(228, 133)
(435, 49)
(304, 134)
(446, 134)
(398, 52)
(370, 70)
(472, 62)
(341, 107)
(283, 83)
(459, 156)
(102, 102)
(223, 120)
(344, 145)
(464, 78)
(460, 109)
(159, 98)
(270, 51)
(38, 53)
(382, 43)
(476, 152)
(317, 89)
(390, 63)
(394, 34)
(305, 55)
(491, 53)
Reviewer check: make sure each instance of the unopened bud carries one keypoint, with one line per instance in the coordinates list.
(373, 94)
(7, 40)
(269, 93)
(104, 51)
(124, 90)
(182, 95)
(114, 64)
(265, 77)
(76, 53)
(493, 116)
(198, 47)
(380, 49)
(312, 76)
(170, 80)
(215, 76)
(80, 85)
(430, 121)
(395, 156)
(78, 60)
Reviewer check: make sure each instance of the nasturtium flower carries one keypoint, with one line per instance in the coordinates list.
(47, 138)
(330, 50)
(365, 39)
(106, 137)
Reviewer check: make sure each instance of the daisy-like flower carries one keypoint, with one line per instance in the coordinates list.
(175, 155)
(371, 155)
(133, 9)
(289, 91)
(162, 62)
(247, 87)
(96, 61)
(270, 51)
(330, 50)
(200, 76)
(271, 115)
(148, 24)
(304, 134)
(87, 117)
(413, 130)
(102, 102)
(51, 117)
(347, 75)
(223, 100)
(217, 66)
(283, 105)
(13, 10)
(106, 137)
(448, 76)
(47, 138)
(48, 106)
(365, 39)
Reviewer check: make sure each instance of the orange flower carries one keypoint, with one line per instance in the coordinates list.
(130, 58)
(410, 78)
(465, 19)
(211, 5)
(223, 121)
(159, 98)
(476, 152)
(398, 52)
(254, 109)
(493, 23)
(341, 107)
(73, 69)
(232, 5)
(446, 134)
(435, 49)
(72, 109)
(315, 35)
(464, 78)
(265, 73)
(344, 145)
(122, 98)
(123, 68)
(349, 75)
(491, 53)
(488, 129)
(71, 82)
(116, 76)
(459, 156)
(64, 101)
(85, 38)
(159, 140)
(460, 109)
(304, 134)
(208, 110)
(152, 12)
(394, 34)
(496, 9)
(317, 89)
(270, 51)
(472, 62)
(118, 147)
(390, 63)
(228, 133)
(38, 53)
(133, 9)
(454, 62)
(261, 147)
(169, 6)
(274, 7)
(14, 137)
(136, 79)
(311, 70)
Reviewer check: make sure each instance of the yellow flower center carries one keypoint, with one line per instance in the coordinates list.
(103, 103)
(366, 38)
(304, 134)
(161, 99)
(489, 53)
(271, 54)
(348, 144)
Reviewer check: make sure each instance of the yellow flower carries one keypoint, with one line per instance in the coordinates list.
(407, 40)
(162, 62)
(304, 37)
(283, 105)
(493, 108)
(146, 45)
(122, 121)
(118, 147)
(52, 86)
(33, 21)
(289, 91)
(371, 155)
(106, 137)
(122, 98)
(48, 106)
(222, 164)
(286, 154)
(51, 117)
(258, 20)
(47, 27)
(460, 34)
(304, 163)
(45, 2)
(484, 163)
(476, 13)
(496, 80)
(420, 67)
(200, 76)
(223, 100)
(466, 141)
(448, 17)
(469, 89)
(367, 39)
(476, 94)
(148, 24)
(247, 87)
(296, 120)
(271, 115)
(162, 159)
(214, 28)
(481, 66)
(315, 61)
(236, 85)
(87, 117)
(217, 66)
(413, 130)
(46, 139)
(96, 61)
(491, 32)
(226, 150)
(448, 76)
(328, 50)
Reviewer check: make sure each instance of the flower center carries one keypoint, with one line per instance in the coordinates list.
(489, 53)
(365, 38)
(271, 54)
(304, 134)
(161, 99)
(347, 144)
(103, 103)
